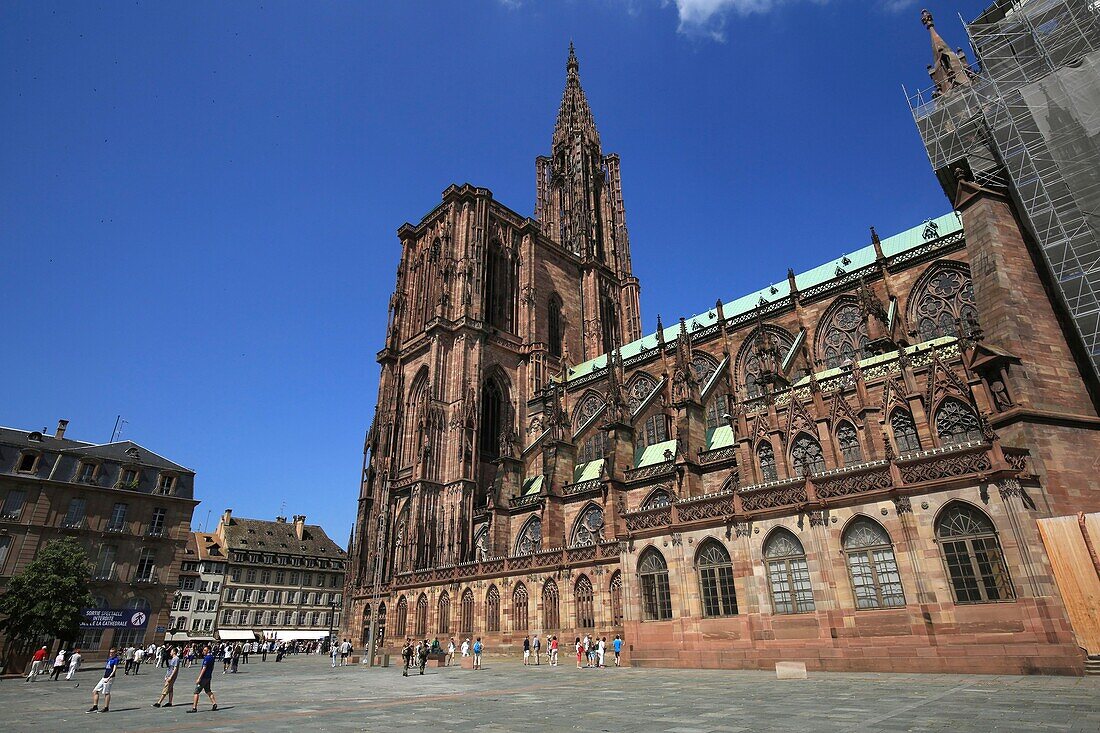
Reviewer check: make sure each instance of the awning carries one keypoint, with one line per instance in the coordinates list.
(295, 635)
(236, 634)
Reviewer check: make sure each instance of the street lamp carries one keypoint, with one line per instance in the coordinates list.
(333, 605)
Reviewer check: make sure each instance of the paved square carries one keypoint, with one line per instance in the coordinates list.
(306, 694)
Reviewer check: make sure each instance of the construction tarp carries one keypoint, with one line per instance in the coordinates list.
(295, 635)
(236, 634)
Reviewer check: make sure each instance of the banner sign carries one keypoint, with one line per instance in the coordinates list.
(114, 618)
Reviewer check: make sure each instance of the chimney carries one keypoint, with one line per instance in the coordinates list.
(227, 516)
(300, 525)
(61, 425)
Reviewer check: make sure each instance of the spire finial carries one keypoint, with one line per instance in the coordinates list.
(925, 18)
(571, 64)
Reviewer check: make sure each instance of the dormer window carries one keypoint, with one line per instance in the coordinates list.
(166, 484)
(28, 462)
(128, 478)
(86, 473)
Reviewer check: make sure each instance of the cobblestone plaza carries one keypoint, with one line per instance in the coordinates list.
(305, 693)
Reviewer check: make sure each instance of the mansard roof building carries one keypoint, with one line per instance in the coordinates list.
(844, 467)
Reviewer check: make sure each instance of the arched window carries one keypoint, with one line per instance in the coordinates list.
(555, 326)
(135, 637)
(530, 537)
(766, 456)
(402, 621)
(715, 570)
(656, 598)
(748, 358)
(641, 387)
(466, 618)
(703, 367)
(492, 609)
(657, 498)
(716, 408)
(588, 407)
(788, 574)
(583, 600)
(972, 553)
(365, 637)
(381, 624)
(843, 335)
(806, 455)
(654, 431)
(519, 608)
(444, 610)
(588, 529)
(415, 410)
(848, 441)
(616, 590)
(550, 605)
(905, 432)
(941, 297)
(481, 544)
(957, 423)
(593, 448)
(872, 567)
(500, 297)
(421, 616)
(492, 419)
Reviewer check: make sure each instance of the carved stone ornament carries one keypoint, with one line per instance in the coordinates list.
(902, 505)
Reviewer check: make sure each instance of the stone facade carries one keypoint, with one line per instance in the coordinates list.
(199, 588)
(843, 468)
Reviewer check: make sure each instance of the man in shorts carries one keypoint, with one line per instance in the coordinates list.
(104, 685)
(202, 684)
(173, 665)
(617, 645)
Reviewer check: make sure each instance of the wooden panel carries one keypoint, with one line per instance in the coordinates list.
(1075, 573)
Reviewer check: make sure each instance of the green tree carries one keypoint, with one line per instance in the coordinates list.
(45, 600)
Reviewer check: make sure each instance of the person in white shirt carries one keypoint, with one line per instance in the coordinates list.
(58, 664)
(334, 651)
(600, 648)
(466, 648)
(345, 652)
(74, 663)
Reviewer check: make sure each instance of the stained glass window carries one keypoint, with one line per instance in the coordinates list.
(593, 448)
(550, 605)
(444, 614)
(788, 573)
(872, 566)
(766, 456)
(905, 432)
(656, 597)
(641, 388)
(588, 529)
(806, 455)
(655, 430)
(716, 580)
(422, 616)
(848, 441)
(751, 367)
(492, 609)
(716, 408)
(957, 423)
(658, 498)
(616, 589)
(530, 537)
(519, 608)
(582, 595)
(402, 621)
(944, 298)
(972, 553)
(845, 336)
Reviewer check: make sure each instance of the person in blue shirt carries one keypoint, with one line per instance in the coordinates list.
(202, 684)
(104, 685)
(618, 646)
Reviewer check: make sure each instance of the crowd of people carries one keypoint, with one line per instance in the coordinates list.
(591, 651)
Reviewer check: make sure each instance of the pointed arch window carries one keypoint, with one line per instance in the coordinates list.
(588, 529)
(444, 613)
(844, 336)
(788, 573)
(872, 567)
(530, 537)
(848, 441)
(588, 407)
(381, 624)
(752, 367)
(616, 590)
(642, 387)
(550, 605)
(492, 609)
(658, 498)
(956, 423)
(519, 608)
(492, 419)
(422, 616)
(905, 432)
(655, 430)
(593, 448)
(656, 597)
(402, 620)
(555, 326)
(718, 406)
(972, 554)
(715, 570)
(500, 295)
(766, 456)
(806, 455)
(941, 300)
(583, 600)
(481, 544)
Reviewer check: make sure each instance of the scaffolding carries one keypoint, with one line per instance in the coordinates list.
(1029, 121)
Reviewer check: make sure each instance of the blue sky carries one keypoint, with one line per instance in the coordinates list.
(200, 199)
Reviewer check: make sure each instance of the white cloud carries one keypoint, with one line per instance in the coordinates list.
(708, 17)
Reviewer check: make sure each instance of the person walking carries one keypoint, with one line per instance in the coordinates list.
(128, 656)
(601, 648)
(478, 648)
(74, 663)
(173, 669)
(58, 664)
(406, 656)
(103, 687)
(450, 652)
(617, 646)
(465, 650)
(526, 651)
(536, 647)
(37, 661)
(424, 651)
(202, 683)
(579, 649)
(345, 652)
(554, 651)
(334, 652)
(236, 658)
(227, 658)
(139, 655)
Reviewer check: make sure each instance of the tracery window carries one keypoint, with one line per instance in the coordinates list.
(588, 529)
(492, 609)
(616, 590)
(381, 624)
(972, 553)
(492, 419)
(444, 612)
(593, 447)
(555, 326)
(588, 407)
(944, 298)
(703, 367)
(550, 604)
(957, 423)
(715, 570)
(716, 408)
(788, 573)
(583, 600)
(519, 608)
(500, 295)
(655, 430)
(751, 366)
(530, 537)
(872, 567)
(658, 498)
(402, 619)
(806, 455)
(640, 388)
(481, 544)
(905, 432)
(848, 440)
(422, 616)
(845, 336)
(656, 597)
(766, 456)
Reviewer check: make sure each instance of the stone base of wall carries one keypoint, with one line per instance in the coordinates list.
(1028, 636)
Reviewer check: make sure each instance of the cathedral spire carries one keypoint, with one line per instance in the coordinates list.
(949, 69)
(574, 115)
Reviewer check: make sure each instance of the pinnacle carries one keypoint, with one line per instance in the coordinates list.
(574, 114)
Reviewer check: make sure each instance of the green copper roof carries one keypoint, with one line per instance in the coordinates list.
(720, 437)
(891, 246)
(587, 471)
(655, 453)
(532, 485)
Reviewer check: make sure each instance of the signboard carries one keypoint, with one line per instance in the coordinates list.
(161, 629)
(114, 618)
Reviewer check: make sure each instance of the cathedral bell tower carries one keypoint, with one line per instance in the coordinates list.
(579, 202)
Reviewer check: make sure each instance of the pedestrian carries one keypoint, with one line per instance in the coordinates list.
(227, 658)
(478, 648)
(406, 656)
(536, 647)
(139, 655)
(554, 651)
(263, 651)
(37, 662)
(526, 651)
(579, 649)
(103, 687)
(465, 650)
(235, 658)
(173, 665)
(617, 645)
(74, 663)
(334, 652)
(58, 664)
(202, 683)
(345, 652)
(586, 643)
(424, 651)
(601, 647)
(128, 655)
(450, 652)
